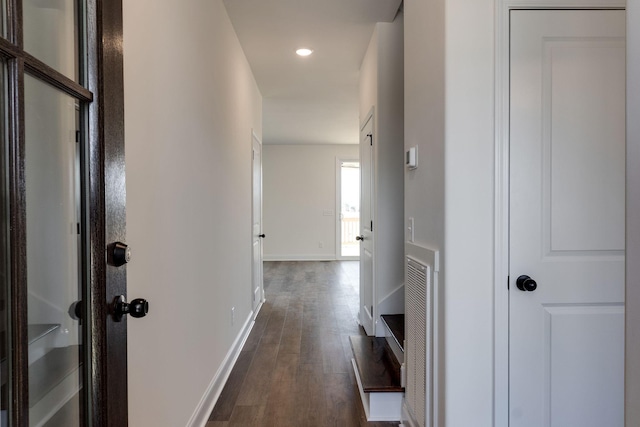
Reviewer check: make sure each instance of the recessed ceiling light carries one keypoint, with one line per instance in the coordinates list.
(304, 52)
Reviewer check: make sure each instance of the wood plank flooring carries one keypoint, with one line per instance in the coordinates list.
(294, 370)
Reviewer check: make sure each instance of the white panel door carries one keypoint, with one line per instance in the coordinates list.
(367, 193)
(567, 177)
(257, 235)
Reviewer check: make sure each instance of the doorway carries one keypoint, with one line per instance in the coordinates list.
(348, 193)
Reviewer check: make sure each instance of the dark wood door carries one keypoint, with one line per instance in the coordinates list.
(62, 209)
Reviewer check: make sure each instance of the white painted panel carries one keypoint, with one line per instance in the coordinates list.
(560, 134)
(584, 142)
(584, 358)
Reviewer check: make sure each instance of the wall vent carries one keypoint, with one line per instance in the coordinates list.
(419, 294)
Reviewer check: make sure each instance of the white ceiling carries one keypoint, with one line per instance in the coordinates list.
(312, 100)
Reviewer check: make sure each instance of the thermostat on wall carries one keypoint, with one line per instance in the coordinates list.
(411, 159)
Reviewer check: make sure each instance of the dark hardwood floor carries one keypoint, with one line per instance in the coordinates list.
(294, 370)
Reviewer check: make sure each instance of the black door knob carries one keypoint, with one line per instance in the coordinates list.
(360, 237)
(139, 307)
(526, 283)
(262, 236)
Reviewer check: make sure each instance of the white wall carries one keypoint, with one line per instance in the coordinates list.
(388, 217)
(469, 188)
(299, 185)
(368, 83)
(449, 115)
(191, 102)
(632, 374)
(381, 88)
(424, 127)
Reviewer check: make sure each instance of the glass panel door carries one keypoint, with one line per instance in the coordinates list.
(349, 209)
(53, 255)
(63, 358)
(51, 34)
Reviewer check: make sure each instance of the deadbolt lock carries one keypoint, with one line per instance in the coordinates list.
(120, 254)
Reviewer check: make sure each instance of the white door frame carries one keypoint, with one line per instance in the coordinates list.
(501, 189)
(338, 209)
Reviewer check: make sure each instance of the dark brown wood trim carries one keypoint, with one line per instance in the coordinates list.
(19, 393)
(107, 210)
(8, 49)
(44, 72)
(94, 227)
(112, 105)
(14, 23)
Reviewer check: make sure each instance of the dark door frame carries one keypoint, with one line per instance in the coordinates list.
(103, 202)
(107, 207)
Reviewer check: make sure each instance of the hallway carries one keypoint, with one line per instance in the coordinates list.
(294, 370)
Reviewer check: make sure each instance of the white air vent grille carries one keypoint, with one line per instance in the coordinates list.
(418, 347)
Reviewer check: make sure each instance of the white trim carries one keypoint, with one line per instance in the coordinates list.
(501, 189)
(298, 257)
(501, 219)
(201, 414)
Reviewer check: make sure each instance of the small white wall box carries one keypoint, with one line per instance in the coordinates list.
(411, 158)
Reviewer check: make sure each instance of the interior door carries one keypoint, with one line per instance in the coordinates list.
(63, 346)
(257, 290)
(367, 193)
(567, 216)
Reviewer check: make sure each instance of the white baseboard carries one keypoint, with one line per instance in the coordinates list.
(203, 410)
(310, 257)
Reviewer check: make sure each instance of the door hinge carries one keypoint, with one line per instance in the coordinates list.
(77, 136)
(508, 278)
(372, 225)
(78, 227)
